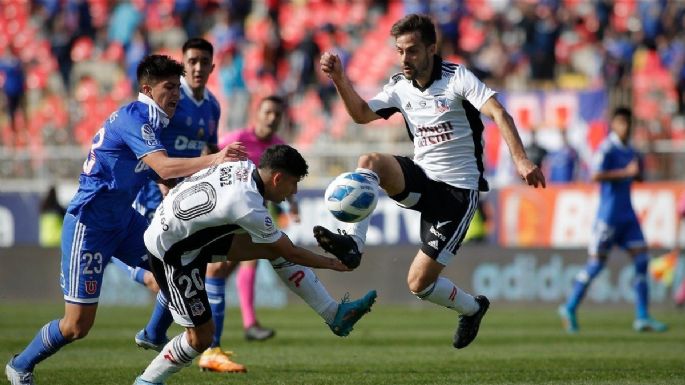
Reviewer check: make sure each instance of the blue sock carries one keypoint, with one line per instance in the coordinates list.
(47, 342)
(160, 320)
(641, 289)
(138, 275)
(216, 292)
(583, 280)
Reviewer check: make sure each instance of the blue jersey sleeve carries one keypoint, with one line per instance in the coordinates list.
(602, 160)
(140, 135)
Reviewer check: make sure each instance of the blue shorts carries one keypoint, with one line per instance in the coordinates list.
(86, 250)
(625, 233)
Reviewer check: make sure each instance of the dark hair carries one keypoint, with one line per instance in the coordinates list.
(281, 157)
(415, 23)
(623, 111)
(154, 68)
(198, 43)
(274, 99)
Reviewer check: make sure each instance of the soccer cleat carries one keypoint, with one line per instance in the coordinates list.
(145, 342)
(649, 325)
(258, 333)
(216, 360)
(17, 377)
(568, 319)
(467, 330)
(341, 245)
(140, 381)
(349, 313)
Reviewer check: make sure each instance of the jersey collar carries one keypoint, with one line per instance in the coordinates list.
(162, 116)
(258, 180)
(613, 137)
(436, 74)
(189, 93)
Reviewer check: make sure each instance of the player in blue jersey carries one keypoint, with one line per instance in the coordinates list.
(616, 165)
(100, 222)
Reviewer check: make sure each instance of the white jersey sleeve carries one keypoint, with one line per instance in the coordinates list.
(258, 223)
(467, 86)
(386, 102)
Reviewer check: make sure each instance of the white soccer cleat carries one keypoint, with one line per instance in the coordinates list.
(16, 377)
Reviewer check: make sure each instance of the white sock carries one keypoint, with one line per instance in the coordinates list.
(176, 355)
(443, 292)
(358, 230)
(302, 281)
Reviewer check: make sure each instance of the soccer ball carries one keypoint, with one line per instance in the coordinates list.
(350, 197)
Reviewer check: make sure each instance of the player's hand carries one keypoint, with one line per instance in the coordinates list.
(337, 265)
(331, 65)
(530, 173)
(232, 152)
(632, 169)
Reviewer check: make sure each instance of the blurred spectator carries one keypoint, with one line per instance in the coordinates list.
(536, 153)
(135, 51)
(563, 162)
(542, 31)
(303, 60)
(13, 82)
(233, 86)
(124, 22)
(51, 218)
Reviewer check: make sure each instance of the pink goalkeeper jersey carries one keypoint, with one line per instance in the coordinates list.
(255, 147)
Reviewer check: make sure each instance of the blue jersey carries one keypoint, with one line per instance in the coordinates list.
(114, 171)
(192, 128)
(614, 196)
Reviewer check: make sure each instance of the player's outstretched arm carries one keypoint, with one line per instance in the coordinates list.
(301, 256)
(356, 107)
(527, 170)
(168, 168)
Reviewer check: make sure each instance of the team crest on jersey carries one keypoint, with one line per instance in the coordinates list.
(241, 174)
(200, 132)
(148, 134)
(91, 287)
(441, 105)
(268, 222)
(196, 307)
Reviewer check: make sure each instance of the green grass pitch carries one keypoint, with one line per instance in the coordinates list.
(391, 345)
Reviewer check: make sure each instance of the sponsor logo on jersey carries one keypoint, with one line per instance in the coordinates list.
(433, 244)
(141, 166)
(91, 287)
(196, 307)
(148, 135)
(225, 176)
(434, 134)
(183, 143)
(441, 105)
(407, 106)
(440, 224)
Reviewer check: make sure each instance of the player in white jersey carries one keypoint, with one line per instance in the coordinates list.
(219, 213)
(441, 104)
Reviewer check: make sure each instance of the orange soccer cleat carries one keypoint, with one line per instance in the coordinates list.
(216, 360)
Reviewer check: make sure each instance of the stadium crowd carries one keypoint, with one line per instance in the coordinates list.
(64, 65)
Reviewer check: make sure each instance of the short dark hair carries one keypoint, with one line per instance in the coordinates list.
(198, 43)
(154, 68)
(281, 157)
(623, 111)
(422, 24)
(273, 99)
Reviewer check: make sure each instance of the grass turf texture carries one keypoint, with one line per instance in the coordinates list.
(391, 345)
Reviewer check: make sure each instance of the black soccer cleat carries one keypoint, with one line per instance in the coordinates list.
(341, 245)
(467, 330)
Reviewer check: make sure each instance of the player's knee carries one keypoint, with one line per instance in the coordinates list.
(418, 284)
(75, 330)
(372, 161)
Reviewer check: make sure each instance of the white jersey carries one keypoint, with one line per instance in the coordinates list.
(206, 209)
(443, 121)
